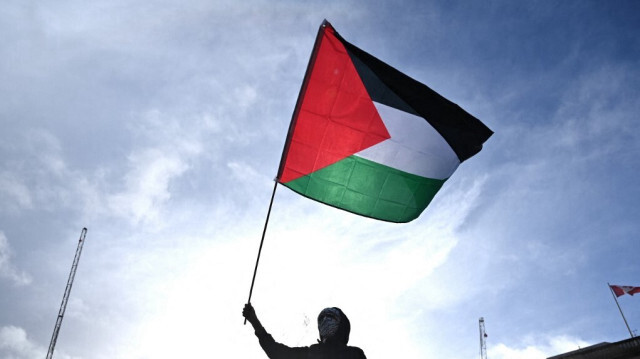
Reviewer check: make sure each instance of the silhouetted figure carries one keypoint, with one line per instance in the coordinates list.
(334, 328)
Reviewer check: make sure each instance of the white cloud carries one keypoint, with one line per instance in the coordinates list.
(48, 149)
(244, 97)
(198, 290)
(540, 348)
(14, 194)
(33, 173)
(147, 185)
(597, 118)
(245, 173)
(14, 344)
(164, 149)
(7, 269)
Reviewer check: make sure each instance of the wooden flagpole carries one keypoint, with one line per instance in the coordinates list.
(264, 231)
(620, 309)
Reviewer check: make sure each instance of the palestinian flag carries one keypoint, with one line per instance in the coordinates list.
(368, 139)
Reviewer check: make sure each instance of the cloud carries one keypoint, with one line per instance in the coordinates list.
(541, 348)
(246, 174)
(7, 269)
(33, 173)
(147, 185)
(165, 150)
(14, 344)
(14, 194)
(597, 117)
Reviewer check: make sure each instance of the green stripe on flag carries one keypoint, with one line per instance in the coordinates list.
(369, 189)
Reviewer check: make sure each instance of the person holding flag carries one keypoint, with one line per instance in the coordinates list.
(370, 140)
(333, 328)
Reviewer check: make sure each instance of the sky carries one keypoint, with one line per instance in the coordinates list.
(159, 125)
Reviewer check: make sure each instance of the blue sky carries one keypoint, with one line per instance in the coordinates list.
(159, 126)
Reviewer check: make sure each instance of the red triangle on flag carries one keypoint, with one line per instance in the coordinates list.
(336, 118)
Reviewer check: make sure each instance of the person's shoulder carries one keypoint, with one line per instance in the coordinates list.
(358, 353)
(349, 351)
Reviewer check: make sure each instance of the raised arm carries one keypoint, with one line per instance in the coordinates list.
(250, 314)
(273, 349)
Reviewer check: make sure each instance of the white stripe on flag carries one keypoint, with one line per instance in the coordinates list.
(414, 147)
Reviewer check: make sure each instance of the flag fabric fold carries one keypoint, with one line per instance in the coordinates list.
(620, 290)
(368, 139)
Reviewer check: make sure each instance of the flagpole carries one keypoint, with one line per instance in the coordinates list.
(303, 89)
(264, 231)
(285, 149)
(620, 309)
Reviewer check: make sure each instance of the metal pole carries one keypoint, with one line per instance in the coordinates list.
(67, 291)
(483, 335)
(264, 231)
(620, 309)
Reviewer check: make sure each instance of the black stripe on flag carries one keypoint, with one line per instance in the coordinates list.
(464, 133)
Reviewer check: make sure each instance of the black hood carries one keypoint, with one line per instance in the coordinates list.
(344, 328)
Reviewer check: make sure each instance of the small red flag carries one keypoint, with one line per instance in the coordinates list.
(619, 290)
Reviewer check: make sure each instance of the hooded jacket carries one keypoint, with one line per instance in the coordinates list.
(331, 348)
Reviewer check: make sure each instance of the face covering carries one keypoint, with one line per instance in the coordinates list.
(328, 323)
